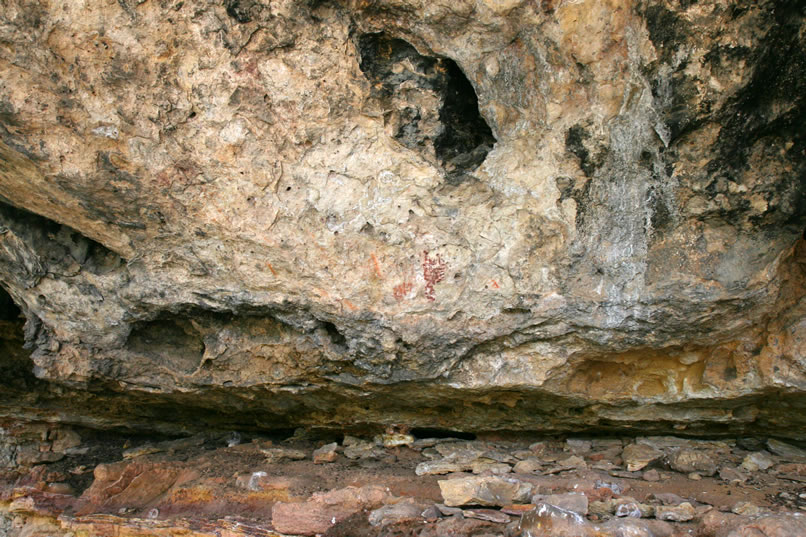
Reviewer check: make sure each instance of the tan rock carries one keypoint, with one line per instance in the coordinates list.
(651, 475)
(489, 466)
(692, 461)
(307, 518)
(547, 520)
(718, 524)
(529, 465)
(757, 461)
(494, 491)
(798, 469)
(326, 453)
(574, 461)
(636, 528)
(278, 454)
(324, 510)
(439, 467)
(772, 525)
(638, 456)
(576, 502)
(676, 513)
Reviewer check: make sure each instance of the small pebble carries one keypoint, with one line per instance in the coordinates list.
(651, 475)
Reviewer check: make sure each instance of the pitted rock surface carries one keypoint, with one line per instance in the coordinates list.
(464, 214)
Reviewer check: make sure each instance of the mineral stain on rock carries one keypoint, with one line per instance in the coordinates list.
(576, 142)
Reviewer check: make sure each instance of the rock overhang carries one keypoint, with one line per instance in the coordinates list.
(240, 210)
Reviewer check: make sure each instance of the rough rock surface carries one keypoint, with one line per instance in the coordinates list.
(105, 483)
(464, 214)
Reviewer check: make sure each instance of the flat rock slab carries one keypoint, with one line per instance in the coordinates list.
(496, 491)
(324, 510)
(639, 456)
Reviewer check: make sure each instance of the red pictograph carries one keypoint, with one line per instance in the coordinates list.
(433, 272)
(400, 291)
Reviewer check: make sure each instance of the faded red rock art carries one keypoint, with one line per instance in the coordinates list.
(400, 291)
(433, 273)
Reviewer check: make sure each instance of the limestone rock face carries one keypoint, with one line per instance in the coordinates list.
(464, 214)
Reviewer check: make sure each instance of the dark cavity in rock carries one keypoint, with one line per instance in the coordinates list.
(336, 337)
(56, 247)
(8, 309)
(168, 339)
(429, 104)
(16, 368)
(240, 10)
(426, 432)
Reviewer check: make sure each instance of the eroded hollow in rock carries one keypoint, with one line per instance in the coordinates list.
(169, 341)
(16, 368)
(59, 246)
(428, 103)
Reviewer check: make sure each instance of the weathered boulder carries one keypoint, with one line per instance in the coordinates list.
(460, 214)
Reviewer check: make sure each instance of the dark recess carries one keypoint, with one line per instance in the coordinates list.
(441, 433)
(171, 339)
(8, 309)
(241, 10)
(16, 368)
(467, 138)
(58, 246)
(463, 137)
(336, 337)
